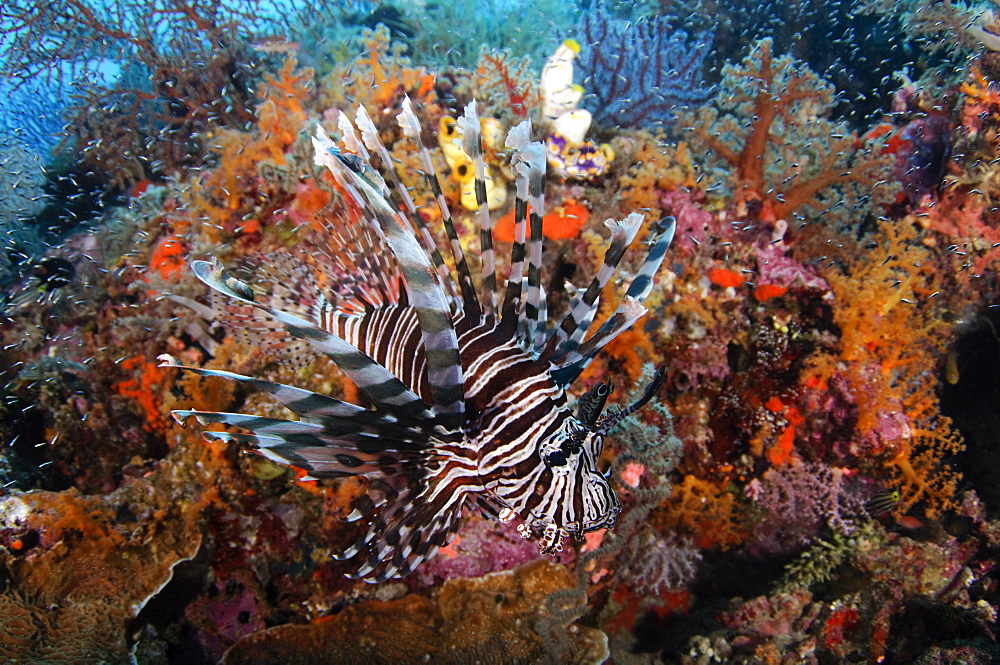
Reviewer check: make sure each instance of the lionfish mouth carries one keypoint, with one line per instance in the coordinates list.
(402, 325)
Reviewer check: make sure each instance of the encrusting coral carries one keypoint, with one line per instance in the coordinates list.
(498, 618)
(80, 568)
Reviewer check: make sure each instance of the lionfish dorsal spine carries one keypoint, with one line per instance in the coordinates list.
(399, 196)
(513, 302)
(568, 368)
(529, 163)
(572, 329)
(472, 144)
(569, 365)
(662, 235)
(410, 126)
(424, 291)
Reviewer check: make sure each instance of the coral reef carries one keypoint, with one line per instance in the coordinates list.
(774, 136)
(183, 69)
(815, 481)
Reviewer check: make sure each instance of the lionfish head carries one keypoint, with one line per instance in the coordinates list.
(581, 498)
(578, 495)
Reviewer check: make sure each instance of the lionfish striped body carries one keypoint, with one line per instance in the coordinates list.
(469, 398)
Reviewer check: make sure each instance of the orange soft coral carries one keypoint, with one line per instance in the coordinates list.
(227, 196)
(705, 510)
(561, 223)
(144, 387)
(379, 76)
(892, 339)
(168, 259)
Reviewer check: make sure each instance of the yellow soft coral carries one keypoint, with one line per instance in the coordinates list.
(891, 341)
(705, 510)
(655, 167)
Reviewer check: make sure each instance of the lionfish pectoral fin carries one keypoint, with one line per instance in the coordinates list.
(335, 415)
(213, 275)
(486, 508)
(312, 448)
(384, 389)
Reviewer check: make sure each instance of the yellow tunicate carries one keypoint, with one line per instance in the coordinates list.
(496, 193)
(493, 133)
(447, 135)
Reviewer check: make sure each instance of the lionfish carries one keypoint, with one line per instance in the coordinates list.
(469, 402)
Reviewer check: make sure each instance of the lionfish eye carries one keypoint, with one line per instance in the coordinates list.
(558, 458)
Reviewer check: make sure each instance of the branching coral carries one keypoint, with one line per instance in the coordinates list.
(774, 136)
(507, 85)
